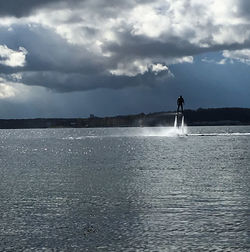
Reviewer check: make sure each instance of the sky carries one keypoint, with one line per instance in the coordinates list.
(73, 58)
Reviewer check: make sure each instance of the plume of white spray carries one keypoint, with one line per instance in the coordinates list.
(167, 131)
(175, 121)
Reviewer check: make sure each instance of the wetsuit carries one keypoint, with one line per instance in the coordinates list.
(180, 102)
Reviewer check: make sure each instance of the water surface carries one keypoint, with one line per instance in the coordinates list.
(125, 189)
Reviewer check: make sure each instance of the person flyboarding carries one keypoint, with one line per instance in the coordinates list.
(180, 102)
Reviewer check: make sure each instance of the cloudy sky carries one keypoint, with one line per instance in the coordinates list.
(72, 58)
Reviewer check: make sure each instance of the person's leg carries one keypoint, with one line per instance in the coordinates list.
(182, 108)
(178, 108)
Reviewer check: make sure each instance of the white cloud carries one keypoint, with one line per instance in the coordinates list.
(12, 89)
(242, 56)
(9, 89)
(6, 90)
(212, 61)
(207, 60)
(131, 68)
(147, 20)
(159, 68)
(222, 62)
(193, 20)
(12, 58)
(139, 67)
(121, 38)
(17, 77)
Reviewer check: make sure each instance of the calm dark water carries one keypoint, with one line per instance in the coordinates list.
(125, 189)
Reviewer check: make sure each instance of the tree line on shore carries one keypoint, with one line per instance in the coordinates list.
(199, 117)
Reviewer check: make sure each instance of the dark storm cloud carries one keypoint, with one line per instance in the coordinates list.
(243, 8)
(55, 64)
(47, 51)
(141, 46)
(64, 63)
(20, 8)
(68, 82)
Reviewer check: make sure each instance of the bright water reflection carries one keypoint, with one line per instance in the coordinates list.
(145, 189)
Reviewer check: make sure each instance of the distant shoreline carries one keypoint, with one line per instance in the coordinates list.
(199, 117)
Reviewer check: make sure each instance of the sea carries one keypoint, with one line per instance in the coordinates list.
(125, 189)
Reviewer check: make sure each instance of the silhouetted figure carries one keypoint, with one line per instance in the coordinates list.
(180, 102)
